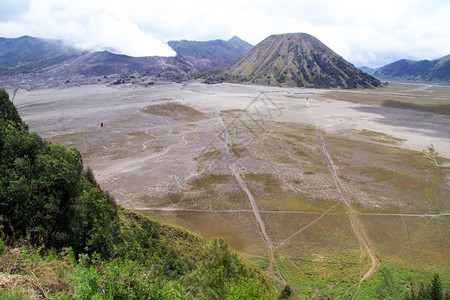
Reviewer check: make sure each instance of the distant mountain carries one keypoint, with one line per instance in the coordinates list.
(42, 59)
(437, 70)
(24, 54)
(367, 70)
(294, 59)
(107, 63)
(210, 54)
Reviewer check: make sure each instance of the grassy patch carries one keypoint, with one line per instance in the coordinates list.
(294, 136)
(208, 155)
(176, 111)
(209, 180)
(383, 141)
(381, 137)
(237, 151)
(236, 110)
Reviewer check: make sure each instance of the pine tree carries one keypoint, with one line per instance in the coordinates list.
(436, 289)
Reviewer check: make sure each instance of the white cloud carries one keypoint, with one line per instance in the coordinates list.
(12, 9)
(371, 33)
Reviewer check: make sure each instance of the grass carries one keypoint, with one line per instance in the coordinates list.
(392, 179)
(14, 295)
(237, 151)
(411, 242)
(270, 195)
(176, 111)
(296, 137)
(381, 137)
(319, 275)
(208, 155)
(383, 141)
(232, 111)
(238, 229)
(26, 274)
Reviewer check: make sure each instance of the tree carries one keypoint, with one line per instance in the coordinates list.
(436, 289)
(7, 109)
(286, 293)
(95, 222)
(429, 292)
(39, 182)
(217, 271)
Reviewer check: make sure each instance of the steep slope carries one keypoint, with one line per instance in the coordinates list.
(437, 70)
(27, 53)
(210, 54)
(294, 59)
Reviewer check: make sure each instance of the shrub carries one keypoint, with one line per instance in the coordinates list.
(2, 246)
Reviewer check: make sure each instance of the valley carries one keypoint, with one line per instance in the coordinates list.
(332, 192)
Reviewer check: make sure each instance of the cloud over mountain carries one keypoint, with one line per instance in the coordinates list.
(371, 34)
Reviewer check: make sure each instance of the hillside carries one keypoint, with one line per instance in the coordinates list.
(295, 59)
(210, 54)
(105, 63)
(62, 236)
(437, 70)
(26, 53)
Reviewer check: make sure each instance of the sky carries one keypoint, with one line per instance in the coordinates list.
(370, 33)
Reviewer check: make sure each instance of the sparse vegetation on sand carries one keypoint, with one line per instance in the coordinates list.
(175, 110)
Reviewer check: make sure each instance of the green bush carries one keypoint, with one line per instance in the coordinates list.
(2, 246)
(220, 269)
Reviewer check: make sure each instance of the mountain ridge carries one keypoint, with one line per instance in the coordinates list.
(42, 59)
(26, 53)
(210, 54)
(296, 60)
(437, 70)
